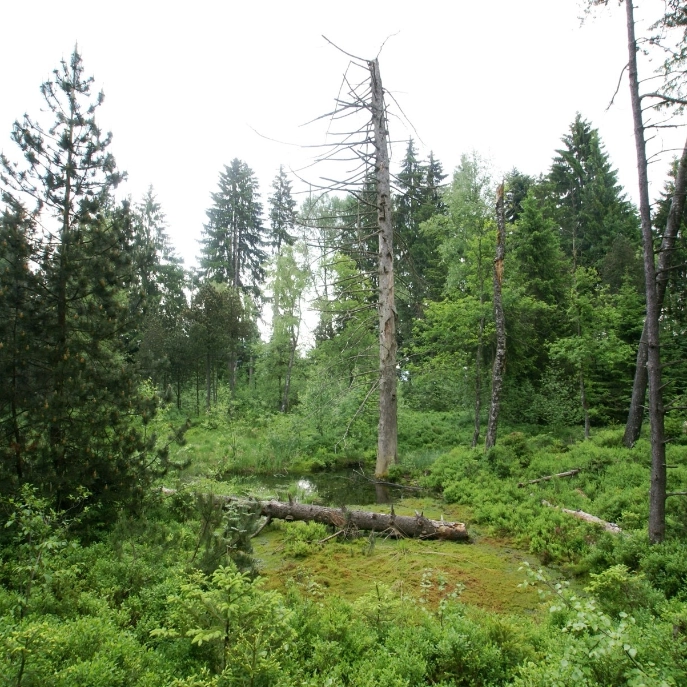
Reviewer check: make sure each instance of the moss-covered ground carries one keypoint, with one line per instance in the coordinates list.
(485, 572)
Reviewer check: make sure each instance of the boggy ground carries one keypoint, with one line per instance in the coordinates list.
(485, 573)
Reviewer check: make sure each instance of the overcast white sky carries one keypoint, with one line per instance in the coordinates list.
(187, 83)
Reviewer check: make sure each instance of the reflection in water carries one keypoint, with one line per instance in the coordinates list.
(326, 488)
(383, 494)
(306, 486)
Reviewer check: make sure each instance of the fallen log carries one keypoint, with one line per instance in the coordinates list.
(587, 517)
(416, 526)
(404, 525)
(569, 473)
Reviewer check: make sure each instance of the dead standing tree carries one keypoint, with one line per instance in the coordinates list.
(387, 439)
(368, 146)
(635, 416)
(654, 276)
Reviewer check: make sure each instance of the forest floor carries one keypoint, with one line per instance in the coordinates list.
(486, 572)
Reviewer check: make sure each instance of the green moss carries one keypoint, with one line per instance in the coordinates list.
(486, 573)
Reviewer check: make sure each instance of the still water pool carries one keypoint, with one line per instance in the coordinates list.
(324, 488)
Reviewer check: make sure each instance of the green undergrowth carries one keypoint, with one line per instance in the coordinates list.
(178, 594)
(221, 445)
(181, 596)
(612, 484)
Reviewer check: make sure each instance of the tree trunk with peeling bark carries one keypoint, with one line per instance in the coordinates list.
(399, 525)
(387, 440)
(344, 519)
(657, 492)
(500, 321)
(635, 417)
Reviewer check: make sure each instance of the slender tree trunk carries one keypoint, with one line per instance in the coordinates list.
(62, 348)
(208, 382)
(387, 439)
(478, 381)
(197, 391)
(635, 416)
(657, 492)
(500, 320)
(480, 349)
(233, 367)
(585, 406)
(289, 368)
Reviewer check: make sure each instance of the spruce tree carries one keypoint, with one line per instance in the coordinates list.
(419, 275)
(282, 212)
(158, 299)
(232, 250)
(590, 207)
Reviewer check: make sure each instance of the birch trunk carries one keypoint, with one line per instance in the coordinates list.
(635, 416)
(500, 321)
(388, 424)
(657, 492)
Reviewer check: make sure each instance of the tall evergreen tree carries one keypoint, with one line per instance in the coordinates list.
(82, 428)
(590, 207)
(420, 273)
(158, 297)
(232, 250)
(158, 270)
(282, 212)
(20, 350)
(517, 187)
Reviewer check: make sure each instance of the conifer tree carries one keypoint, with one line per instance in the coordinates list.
(158, 299)
(20, 350)
(421, 274)
(282, 212)
(82, 431)
(232, 250)
(590, 206)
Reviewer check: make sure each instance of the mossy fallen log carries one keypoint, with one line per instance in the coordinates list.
(417, 526)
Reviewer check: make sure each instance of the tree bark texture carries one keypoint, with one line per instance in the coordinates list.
(387, 440)
(499, 366)
(416, 526)
(400, 525)
(635, 417)
(657, 491)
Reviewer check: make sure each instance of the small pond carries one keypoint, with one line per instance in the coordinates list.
(341, 488)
